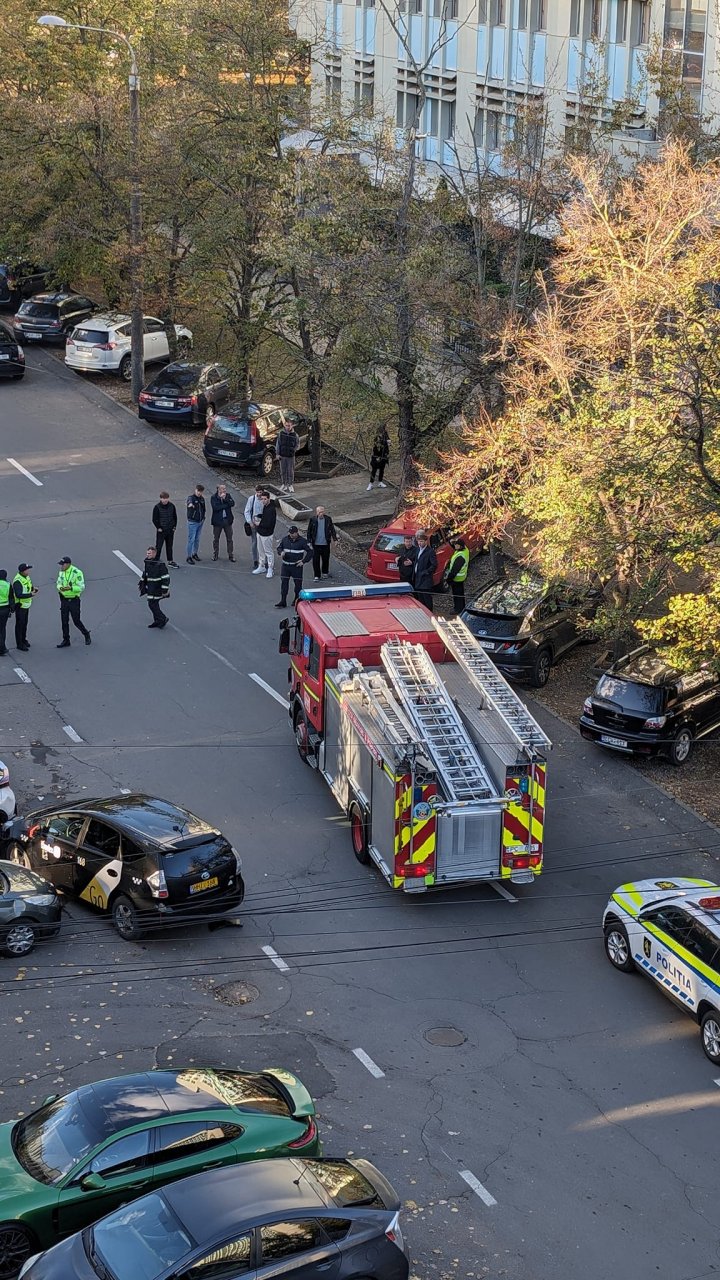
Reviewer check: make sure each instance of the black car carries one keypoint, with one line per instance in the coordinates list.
(12, 356)
(244, 435)
(185, 392)
(526, 624)
(29, 909)
(295, 1218)
(51, 316)
(644, 706)
(144, 860)
(20, 280)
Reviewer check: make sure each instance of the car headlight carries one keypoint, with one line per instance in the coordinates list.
(4, 776)
(41, 900)
(238, 859)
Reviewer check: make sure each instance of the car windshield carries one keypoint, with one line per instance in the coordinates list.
(140, 1241)
(22, 880)
(40, 310)
(50, 1141)
(173, 379)
(346, 1184)
(630, 696)
(513, 597)
(90, 335)
(389, 542)
(224, 426)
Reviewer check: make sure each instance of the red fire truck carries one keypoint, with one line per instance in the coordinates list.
(434, 758)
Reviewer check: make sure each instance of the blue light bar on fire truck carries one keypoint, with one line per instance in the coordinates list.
(356, 593)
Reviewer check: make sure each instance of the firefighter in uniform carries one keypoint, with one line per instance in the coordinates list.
(70, 585)
(23, 591)
(457, 572)
(5, 610)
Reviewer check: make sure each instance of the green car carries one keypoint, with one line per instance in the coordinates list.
(78, 1157)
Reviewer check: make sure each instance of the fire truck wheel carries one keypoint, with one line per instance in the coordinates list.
(302, 736)
(358, 833)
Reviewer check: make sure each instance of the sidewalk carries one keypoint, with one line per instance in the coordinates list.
(345, 498)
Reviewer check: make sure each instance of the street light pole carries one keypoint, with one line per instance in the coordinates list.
(137, 355)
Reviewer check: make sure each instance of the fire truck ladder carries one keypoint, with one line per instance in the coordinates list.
(384, 708)
(431, 709)
(522, 728)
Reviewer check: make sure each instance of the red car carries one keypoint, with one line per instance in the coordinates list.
(388, 542)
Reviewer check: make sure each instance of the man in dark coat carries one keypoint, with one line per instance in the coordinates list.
(321, 532)
(222, 520)
(164, 517)
(294, 553)
(424, 570)
(406, 559)
(155, 586)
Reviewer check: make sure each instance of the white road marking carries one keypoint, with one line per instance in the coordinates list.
(125, 791)
(268, 689)
(717, 1081)
(19, 467)
(72, 735)
(129, 563)
(500, 888)
(220, 658)
(277, 960)
(23, 675)
(477, 1186)
(367, 1061)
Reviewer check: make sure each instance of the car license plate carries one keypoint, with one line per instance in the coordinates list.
(204, 884)
(392, 566)
(3, 356)
(32, 333)
(488, 644)
(163, 404)
(227, 453)
(612, 742)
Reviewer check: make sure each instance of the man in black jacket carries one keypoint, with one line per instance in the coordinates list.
(155, 586)
(222, 520)
(195, 522)
(406, 560)
(320, 533)
(286, 446)
(424, 570)
(294, 553)
(164, 517)
(265, 525)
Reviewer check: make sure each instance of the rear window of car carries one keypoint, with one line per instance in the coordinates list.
(40, 310)
(238, 427)
(90, 335)
(389, 542)
(345, 1184)
(514, 597)
(649, 699)
(176, 380)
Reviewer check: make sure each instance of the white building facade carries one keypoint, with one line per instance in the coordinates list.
(484, 63)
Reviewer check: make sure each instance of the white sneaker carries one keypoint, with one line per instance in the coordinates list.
(291, 488)
(382, 485)
(260, 569)
(269, 573)
(369, 487)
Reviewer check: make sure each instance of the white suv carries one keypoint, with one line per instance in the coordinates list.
(102, 344)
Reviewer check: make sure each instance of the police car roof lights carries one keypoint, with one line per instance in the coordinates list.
(356, 592)
(709, 904)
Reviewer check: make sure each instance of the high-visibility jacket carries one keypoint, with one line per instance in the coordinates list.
(4, 592)
(22, 590)
(70, 582)
(457, 570)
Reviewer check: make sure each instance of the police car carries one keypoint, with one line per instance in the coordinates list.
(670, 930)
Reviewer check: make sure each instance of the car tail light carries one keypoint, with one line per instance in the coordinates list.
(105, 346)
(508, 646)
(70, 342)
(21, 353)
(654, 722)
(193, 400)
(253, 433)
(33, 830)
(588, 707)
(414, 870)
(517, 861)
(157, 884)
(143, 397)
(309, 1135)
(535, 859)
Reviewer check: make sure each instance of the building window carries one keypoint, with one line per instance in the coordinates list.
(621, 22)
(538, 11)
(447, 9)
(333, 89)
(574, 18)
(596, 19)
(482, 15)
(685, 30)
(479, 128)
(497, 13)
(447, 120)
(406, 110)
(640, 22)
(522, 14)
(493, 130)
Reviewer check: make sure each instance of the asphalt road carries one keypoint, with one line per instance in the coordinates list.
(570, 1130)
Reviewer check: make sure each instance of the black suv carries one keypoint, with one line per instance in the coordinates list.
(643, 706)
(12, 356)
(185, 392)
(20, 280)
(144, 860)
(51, 316)
(526, 624)
(244, 435)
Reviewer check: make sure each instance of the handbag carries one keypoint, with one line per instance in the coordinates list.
(248, 529)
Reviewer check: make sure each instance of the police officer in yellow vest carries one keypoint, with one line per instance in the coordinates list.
(457, 572)
(5, 599)
(70, 585)
(23, 592)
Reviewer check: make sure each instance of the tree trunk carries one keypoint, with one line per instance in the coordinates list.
(314, 383)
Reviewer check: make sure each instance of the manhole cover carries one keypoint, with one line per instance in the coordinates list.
(449, 1037)
(236, 993)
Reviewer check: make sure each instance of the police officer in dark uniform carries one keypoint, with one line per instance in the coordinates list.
(5, 609)
(155, 586)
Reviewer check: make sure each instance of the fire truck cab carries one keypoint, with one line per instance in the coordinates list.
(435, 760)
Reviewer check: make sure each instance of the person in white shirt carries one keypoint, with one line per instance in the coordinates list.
(253, 508)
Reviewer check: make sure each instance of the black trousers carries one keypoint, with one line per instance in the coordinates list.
(165, 537)
(21, 621)
(159, 617)
(377, 468)
(4, 615)
(227, 529)
(321, 560)
(425, 597)
(458, 595)
(290, 573)
(71, 609)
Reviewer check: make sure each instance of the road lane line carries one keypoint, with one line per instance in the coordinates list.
(367, 1061)
(71, 733)
(19, 467)
(268, 689)
(500, 888)
(129, 563)
(717, 1081)
(220, 658)
(477, 1186)
(277, 960)
(23, 675)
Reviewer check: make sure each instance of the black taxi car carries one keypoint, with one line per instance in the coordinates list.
(144, 860)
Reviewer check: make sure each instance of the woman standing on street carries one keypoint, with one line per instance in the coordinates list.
(379, 457)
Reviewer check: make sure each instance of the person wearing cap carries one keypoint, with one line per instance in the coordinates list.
(5, 609)
(23, 592)
(294, 553)
(70, 585)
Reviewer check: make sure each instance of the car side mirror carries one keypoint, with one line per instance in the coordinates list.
(93, 1182)
(284, 645)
